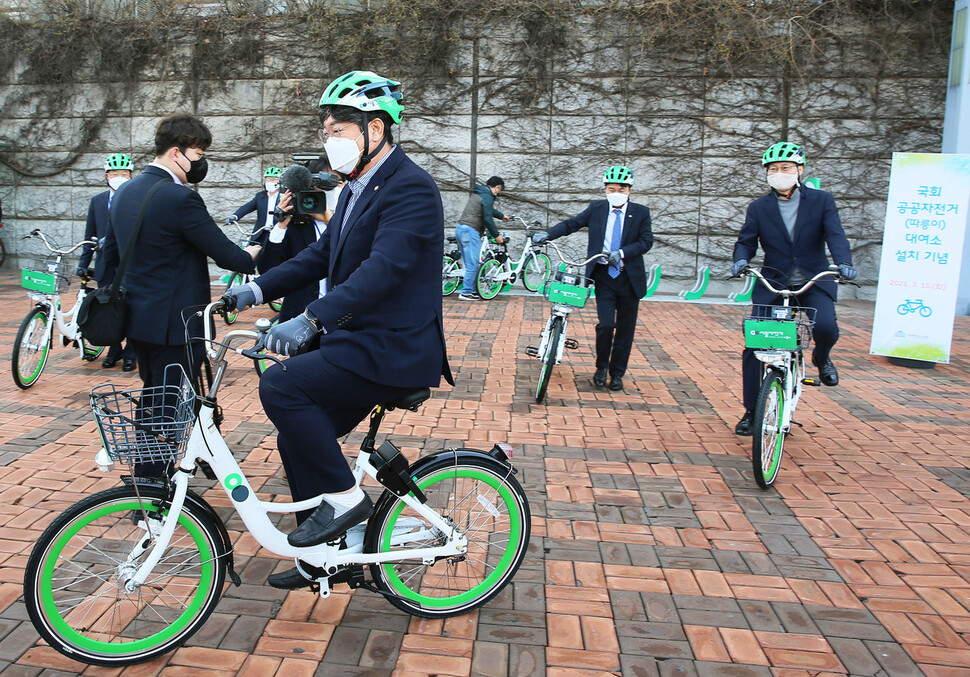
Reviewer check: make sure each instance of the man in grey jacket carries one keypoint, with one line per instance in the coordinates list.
(478, 215)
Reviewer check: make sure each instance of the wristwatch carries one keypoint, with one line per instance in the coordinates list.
(312, 319)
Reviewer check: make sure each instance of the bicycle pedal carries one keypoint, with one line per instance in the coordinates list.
(572, 344)
(811, 382)
(532, 351)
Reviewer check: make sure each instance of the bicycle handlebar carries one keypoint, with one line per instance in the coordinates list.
(573, 264)
(833, 271)
(60, 252)
(217, 350)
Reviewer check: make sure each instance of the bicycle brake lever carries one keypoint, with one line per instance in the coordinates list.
(253, 354)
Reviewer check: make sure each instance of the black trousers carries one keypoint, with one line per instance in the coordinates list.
(617, 306)
(312, 404)
(125, 353)
(824, 334)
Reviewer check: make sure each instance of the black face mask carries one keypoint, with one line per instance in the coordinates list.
(197, 169)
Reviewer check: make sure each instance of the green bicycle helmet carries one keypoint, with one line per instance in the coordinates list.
(272, 171)
(117, 161)
(783, 151)
(618, 174)
(366, 91)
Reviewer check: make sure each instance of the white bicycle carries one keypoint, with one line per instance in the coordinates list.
(45, 283)
(130, 573)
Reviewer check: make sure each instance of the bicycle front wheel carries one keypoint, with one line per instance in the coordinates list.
(769, 437)
(31, 348)
(481, 499)
(450, 275)
(487, 282)
(549, 358)
(74, 586)
(234, 279)
(276, 305)
(535, 272)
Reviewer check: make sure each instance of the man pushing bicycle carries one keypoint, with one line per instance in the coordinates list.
(793, 224)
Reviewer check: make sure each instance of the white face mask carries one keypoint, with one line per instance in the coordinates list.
(617, 200)
(115, 182)
(271, 186)
(332, 196)
(342, 153)
(782, 182)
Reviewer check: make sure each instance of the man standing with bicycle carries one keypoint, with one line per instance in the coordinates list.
(117, 171)
(620, 230)
(793, 223)
(476, 218)
(377, 334)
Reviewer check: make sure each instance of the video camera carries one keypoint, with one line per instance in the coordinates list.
(308, 188)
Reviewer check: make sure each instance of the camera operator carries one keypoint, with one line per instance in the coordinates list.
(294, 232)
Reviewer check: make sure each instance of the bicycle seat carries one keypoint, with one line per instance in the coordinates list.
(410, 401)
(452, 238)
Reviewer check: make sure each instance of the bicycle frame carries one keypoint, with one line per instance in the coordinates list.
(206, 444)
(510, 272)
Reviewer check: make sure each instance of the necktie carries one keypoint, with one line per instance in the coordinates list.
(615, 238)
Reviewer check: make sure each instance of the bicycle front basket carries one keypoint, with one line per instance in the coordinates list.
(778, 327)
(568, 288)
(145, 425)
(44, 277)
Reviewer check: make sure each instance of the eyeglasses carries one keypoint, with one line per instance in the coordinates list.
(325, 135)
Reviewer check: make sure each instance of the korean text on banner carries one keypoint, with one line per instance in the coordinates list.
(926, 216)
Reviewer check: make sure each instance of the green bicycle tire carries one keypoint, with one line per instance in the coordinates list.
(535, 272)
(549, 359)
(30, 357)
(234, 279)
(768, 438)
(449, 280)
(92, 543)
(485, 283)
(479, 496)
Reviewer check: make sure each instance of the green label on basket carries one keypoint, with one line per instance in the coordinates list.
(37, 281)
(568, 294)
(770, 335)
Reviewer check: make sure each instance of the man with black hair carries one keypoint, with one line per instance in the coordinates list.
(377, 334)
(477, 217)
(168, 271)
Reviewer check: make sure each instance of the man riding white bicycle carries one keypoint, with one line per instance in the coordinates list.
(379, 325)
(793, 224)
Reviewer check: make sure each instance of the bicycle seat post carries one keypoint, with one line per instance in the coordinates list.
(376, 417)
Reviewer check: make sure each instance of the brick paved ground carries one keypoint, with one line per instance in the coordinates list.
(653, 552)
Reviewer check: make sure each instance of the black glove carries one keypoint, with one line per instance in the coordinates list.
(239, 297)
(81, 271)
(847, 271)
(231, 220)
(540, 237)
(738, 266)
(614, 258)
(291, 337)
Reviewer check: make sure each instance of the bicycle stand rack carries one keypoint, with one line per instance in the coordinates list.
(572, 344)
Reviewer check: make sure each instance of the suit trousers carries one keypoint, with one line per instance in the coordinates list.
(617, 306)
(312, 404)
(117, 351)
(825, 333)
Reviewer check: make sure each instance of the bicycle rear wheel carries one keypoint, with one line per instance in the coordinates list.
(234, 279)
(74, 586)
(450, 278)
(482, 499)
(486, 283)
(535, 272)
(768, 440)
(31, 348)
(549, 358)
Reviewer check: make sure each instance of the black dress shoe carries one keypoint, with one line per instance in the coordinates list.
(109, 362)
(293, 579)
(321, 526)
(616, 383)
(599, 378)
(827, 373)
(129, 365)
(746, 425)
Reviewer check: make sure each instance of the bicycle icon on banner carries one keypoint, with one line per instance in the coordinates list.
(914, 306)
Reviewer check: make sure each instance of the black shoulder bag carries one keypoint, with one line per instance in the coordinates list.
(103, 315)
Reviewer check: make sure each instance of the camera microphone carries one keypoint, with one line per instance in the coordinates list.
(296, 179)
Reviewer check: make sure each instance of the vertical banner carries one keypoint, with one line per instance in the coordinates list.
(922, 246)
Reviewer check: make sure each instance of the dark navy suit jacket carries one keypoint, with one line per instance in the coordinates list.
(816, 226)
(168, 270)
(258, 204)
(96, 229)
(382, 312)
(636, 241)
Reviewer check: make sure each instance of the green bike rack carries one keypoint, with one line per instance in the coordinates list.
(653, 281)
(743, 296)
(700, 285)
